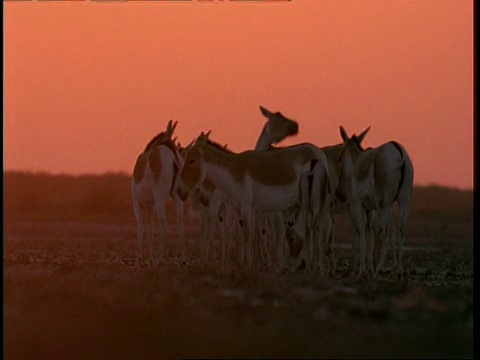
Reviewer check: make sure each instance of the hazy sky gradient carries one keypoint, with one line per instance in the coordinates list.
(88, 84)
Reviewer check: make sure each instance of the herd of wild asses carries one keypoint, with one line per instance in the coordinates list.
(273, 206)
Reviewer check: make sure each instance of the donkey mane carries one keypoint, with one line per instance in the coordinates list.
(328, 147)
(223, 148)
(157, 140)
(154, 142)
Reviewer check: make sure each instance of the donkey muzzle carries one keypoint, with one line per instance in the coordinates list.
(292, 128)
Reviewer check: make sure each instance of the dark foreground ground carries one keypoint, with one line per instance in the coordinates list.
(72, 292)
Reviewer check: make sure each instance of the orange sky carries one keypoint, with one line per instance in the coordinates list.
(88, 84)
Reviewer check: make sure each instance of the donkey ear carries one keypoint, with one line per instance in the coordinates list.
(267, 113)
(202, 139)
(169, 127)
(343, 133)
(362, 135)
(174, 125)
(190, 144)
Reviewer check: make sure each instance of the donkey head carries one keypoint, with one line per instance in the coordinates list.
(278, 127)
(184, 150)
(163, 137)
(192, 174)
(348, 155)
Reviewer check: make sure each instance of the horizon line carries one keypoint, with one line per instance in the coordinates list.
(126, 174)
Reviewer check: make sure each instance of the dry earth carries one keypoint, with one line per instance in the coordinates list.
(72, 292)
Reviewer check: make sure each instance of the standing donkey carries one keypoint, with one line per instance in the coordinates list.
(216, 214)
(297, 231)
(373, 180)
(257, 181)
(153, 182)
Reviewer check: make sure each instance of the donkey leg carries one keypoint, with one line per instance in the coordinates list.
(400, 238)
(204, 234)
(226, 234)
(326, 253)
(392, 230)
(209, 235)
(264, 241)
(236, 240)
(359, 220)
(370, 240)
(362, 238)
(330, 236)
(151, 218)
(220, 226)
(140, 230)
(400, 245)
(281, 257)
(385, 217)
(163, 233)
(181, 227)
(250, 230)
(311, 247)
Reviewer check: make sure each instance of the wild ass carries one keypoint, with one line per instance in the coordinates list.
(219, 212)
(276, 129)
(153, 180)
(312, 225)
(373, 180)
(296, 229)
(257, 181)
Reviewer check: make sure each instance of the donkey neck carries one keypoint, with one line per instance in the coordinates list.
(212, 154)
(219, 166)
(156, 140)
(264, 141)
(221, 162)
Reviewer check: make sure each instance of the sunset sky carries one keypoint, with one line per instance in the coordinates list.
(88, 84)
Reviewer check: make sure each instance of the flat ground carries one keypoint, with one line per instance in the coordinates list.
(72, 291)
